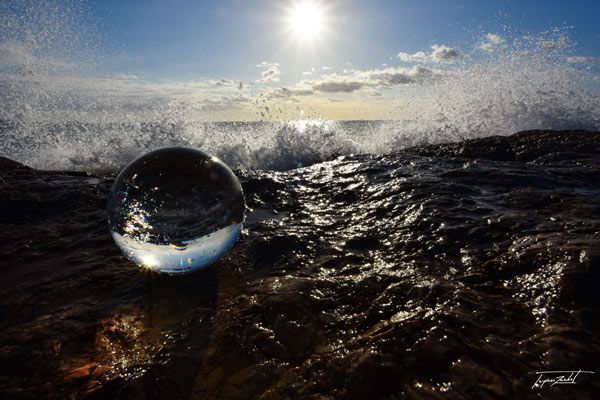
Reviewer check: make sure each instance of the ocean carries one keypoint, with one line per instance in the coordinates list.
(66, 117)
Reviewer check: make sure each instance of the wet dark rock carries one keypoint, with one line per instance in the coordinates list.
(524, 146)
(8, 164)
(447, 271)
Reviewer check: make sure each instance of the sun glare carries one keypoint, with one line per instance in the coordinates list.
(306, 20)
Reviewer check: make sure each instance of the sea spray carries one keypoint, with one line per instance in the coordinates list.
(518, 83)
(59, 111)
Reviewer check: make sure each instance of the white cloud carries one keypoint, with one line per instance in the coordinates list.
(396, 76)
(330, 86)
(221, 82)
(492, 42)
(236, 99)
(222, 103)
(417, 57)
(127, 77)
(496, 39)
(307, 73)
(377, 78)
(442, 53)
(439, 53)
(267, 64)
(325, 68)
(271, 74)
(14, 55)
(285, 92)
(582, 60)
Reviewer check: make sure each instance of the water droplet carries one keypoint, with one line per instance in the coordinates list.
(175, 210)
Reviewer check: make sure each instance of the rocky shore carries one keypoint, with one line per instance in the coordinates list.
(446, 271)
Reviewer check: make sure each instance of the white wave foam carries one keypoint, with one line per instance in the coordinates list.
(54, 116)
(529, 84)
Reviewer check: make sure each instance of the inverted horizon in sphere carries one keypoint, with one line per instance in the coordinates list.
(189, 257)
(175, 210)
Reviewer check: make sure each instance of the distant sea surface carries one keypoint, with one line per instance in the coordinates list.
(103, 148)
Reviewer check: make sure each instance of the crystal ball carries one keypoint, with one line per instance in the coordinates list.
(175, 210)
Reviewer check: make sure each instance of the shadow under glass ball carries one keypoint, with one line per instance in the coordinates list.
(175, 210)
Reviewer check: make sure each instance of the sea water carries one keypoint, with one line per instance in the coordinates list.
(59, 111)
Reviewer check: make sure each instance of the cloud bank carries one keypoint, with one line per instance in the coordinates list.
(376, 78)
(439, 54)
(285, 92)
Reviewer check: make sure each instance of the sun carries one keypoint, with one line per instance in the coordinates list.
(307, 20)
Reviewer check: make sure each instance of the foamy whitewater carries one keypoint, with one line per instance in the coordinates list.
(57, 111)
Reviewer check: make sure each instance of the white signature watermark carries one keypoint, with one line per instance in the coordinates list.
(558, 378)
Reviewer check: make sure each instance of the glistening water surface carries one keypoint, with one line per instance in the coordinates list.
(60, 112)
(422, 275)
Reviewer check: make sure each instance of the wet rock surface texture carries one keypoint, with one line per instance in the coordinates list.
(449, 271)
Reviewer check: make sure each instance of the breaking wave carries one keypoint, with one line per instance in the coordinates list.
(58, 112)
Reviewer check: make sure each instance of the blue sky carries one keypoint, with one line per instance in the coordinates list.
(343, 59)
(185, 39)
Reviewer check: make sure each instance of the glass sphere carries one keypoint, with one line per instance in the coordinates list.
(175, 210)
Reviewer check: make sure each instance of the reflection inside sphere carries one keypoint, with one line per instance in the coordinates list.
(175, 210)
